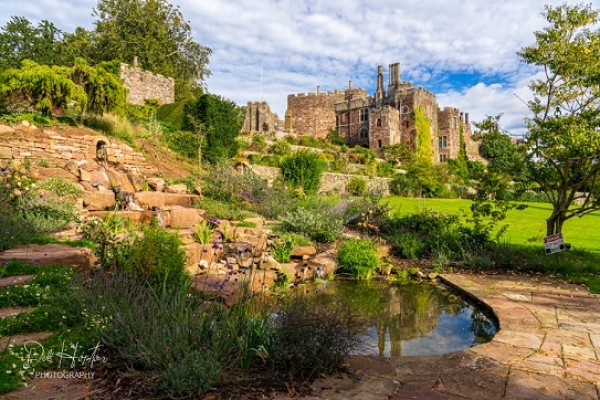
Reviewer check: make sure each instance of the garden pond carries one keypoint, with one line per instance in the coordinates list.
(410, 319)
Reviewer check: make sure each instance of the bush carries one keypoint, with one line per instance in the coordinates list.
(312, 337)
(357, 186)
(112, 238)
(183, 142)
(410, 245)
(61, 187)
(358, 258)
(281, 148)
(303, 171)
(322, 225)
(222, 210)
(158, 257)
(285, 243)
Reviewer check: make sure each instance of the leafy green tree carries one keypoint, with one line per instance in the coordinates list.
(45, 88)
(424, 138)
(303, 170)
(105, 91)
(564, 131)
(500, 151)
(21, 40)
(221, 120)
(157, 34)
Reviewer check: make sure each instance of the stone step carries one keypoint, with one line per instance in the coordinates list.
(12, 311)
(15, 280)
(51, 254)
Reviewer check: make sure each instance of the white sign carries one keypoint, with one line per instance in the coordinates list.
(554, 243)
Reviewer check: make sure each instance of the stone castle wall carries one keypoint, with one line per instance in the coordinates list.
(37, 145)
(144, 85)
(260, 118)
(312, 114)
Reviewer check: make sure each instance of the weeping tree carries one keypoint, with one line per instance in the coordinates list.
(564, 132)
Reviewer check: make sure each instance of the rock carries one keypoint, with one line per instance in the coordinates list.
(5, 152)
(72, 167)
(160, 200)
(121, 180)
(184, 218)
(201, 256)
(178, 188)
(269, 262)
(100, 177)
(156, 184)
(84, 176)
(6, 129)
(326, 262)
(136, 217)
(198, 190)
(384, 251)
(99, 201)
(51, 254)
(88, 166)
(301, 251)
(45, 173)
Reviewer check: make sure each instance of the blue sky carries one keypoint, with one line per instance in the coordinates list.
(464, 51)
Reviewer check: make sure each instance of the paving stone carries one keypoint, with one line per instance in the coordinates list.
(501, 352)
(12, 311)
(578, 352)
(532, 386)
(543, 364)
(583, 369)
(518, 297)
(519, 339)
(18, 340)
(15, 280)
(596, 343)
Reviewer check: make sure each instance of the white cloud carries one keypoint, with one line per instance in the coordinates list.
(305, 43)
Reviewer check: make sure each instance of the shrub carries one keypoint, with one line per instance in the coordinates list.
(158, 257)
(222, 210)
(357, 186)
(183, 142)
(285, 243)
(204, 233)
(321, 225)
(111, 125)
(61, 187)
(112, 238)
(410, 245)
(358, 258)
(281, 148)
(312, 337)
(303, 171)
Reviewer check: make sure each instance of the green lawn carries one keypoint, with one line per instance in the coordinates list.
(526, 227)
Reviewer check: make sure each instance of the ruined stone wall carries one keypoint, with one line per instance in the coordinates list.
(260, 118)
(56, 149)
(312, 114)
(144, 85)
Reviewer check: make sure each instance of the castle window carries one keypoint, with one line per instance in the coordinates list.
(265, 127)
(406, 124)
(379, 143)
(443, 142)
(454, 122)
(443, 157)
(364, 133)
(404, 109)
(379, 122)
(364, 114)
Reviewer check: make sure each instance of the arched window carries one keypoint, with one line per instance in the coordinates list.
(265, 127)
(379, 122)
(364, 133)
(404, 109)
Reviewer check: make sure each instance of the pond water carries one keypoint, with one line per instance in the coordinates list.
(410, 319)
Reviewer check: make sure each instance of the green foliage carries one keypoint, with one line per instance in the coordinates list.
(112, 238)
(281, 148)
(312, 337)
(358, 258)
(357, 186)
(498, 149)
(61, 187)
(423, 180)
(219, 120)
(158, 257)
(164, 38)
(424, 137)
(409, 245)
(222, 209)
(171, 114)
(204, 233)
(334, 137)
(564, 133)
(113, 126)
(285, 243)
(322, 224)
(183, 142)
(361, 155)
(303, 170)
(46, 89)
(398, 153)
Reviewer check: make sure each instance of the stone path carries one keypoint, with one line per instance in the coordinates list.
(51, 254)
(15, 280)
(548, 347)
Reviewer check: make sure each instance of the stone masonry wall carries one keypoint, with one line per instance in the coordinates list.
(144, 85)
(312, 114)
(330, 182)
(58, 149)
(260, 118)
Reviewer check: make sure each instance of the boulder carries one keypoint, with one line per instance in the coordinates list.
(99, 201)
(178, 188)
(136, 217)
(51, 254)
(303, 251)
(84, 176)
(45, 173)
(5, 151)
(6, 129)
(156, 184)
(121, 180)
(384, 251)
(161, 200)
(325, 262)
(184, 218)
(201, 256)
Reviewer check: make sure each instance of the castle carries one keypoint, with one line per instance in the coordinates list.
(385, 118)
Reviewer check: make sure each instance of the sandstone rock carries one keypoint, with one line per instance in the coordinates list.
(198, 190)
(72, 167)
(156, 184)
(6, 129)
(184, 218)
(384, 251)
(201, 256)
(301, 251)
(5, 152)
(51, 254)
(121, 180)
(269, 262)
(100, 177)
(161, 200)
(178, 188)
(327, 261)
(84, 176)
(99, 201)
(45, 173)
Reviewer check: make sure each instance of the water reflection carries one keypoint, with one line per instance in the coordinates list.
(409, 319)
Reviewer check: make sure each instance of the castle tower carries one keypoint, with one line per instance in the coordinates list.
(380, 93)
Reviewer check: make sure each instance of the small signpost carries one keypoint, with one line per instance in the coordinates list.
(555, 243)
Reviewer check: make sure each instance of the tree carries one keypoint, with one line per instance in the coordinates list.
(105, 91)
(424, 138)
(20, 40)
(157, 34)
(222, 122)
(499, 149)
(564, 132)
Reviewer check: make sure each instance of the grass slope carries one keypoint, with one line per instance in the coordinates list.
(526, 227)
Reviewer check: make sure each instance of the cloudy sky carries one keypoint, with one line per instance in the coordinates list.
(462, 50)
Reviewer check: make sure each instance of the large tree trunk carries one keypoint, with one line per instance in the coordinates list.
(554, 223)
